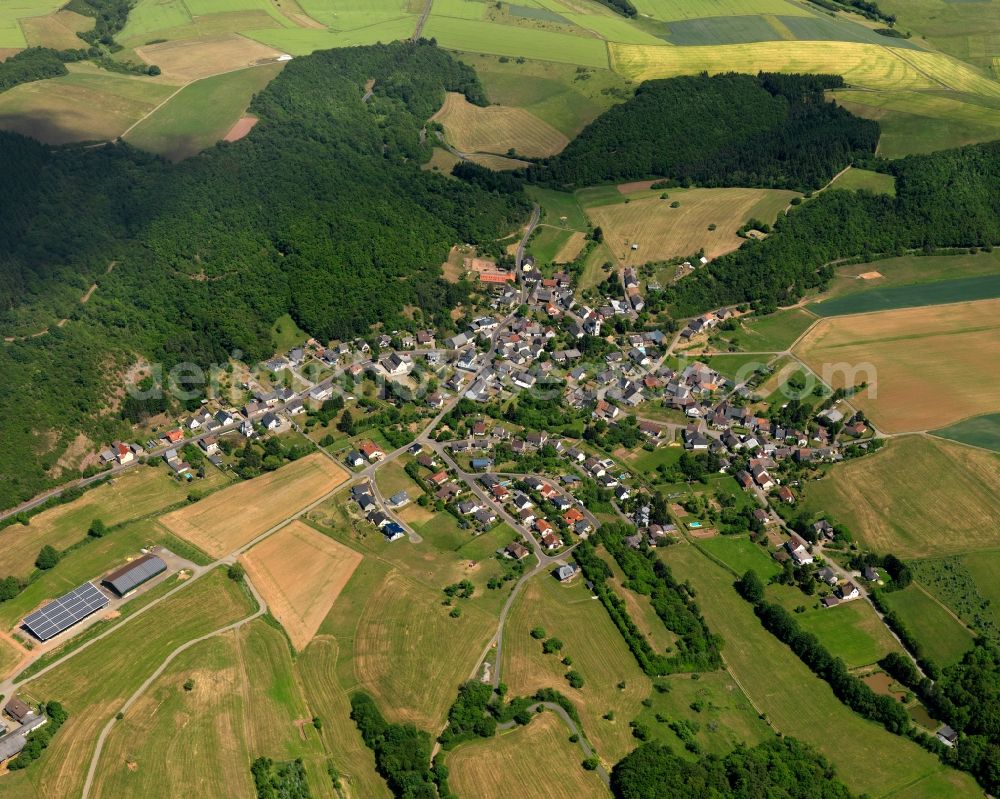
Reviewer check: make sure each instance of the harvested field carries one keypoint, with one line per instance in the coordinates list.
(599, 653)
(124, 659)
(441, 161)
(497, 129)
(871, 66)
(10, 656)
(533, 762)
(662, 232)
(235, 516)
(572, 248)
(548, 90)
(636, 185)
(919, 497)
(924, 366)
(14, 12)
(230, 716)
(57, 30)
(199, 58)
(81, 106)
(300, 572)
(328, 699)
(410, 655)
(242, 127)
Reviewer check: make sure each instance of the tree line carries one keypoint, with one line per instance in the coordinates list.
(673, 601)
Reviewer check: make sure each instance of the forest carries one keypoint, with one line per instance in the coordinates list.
(945, 199)
(322, 212)
(782, 768)
(769, 130)
(35, 63)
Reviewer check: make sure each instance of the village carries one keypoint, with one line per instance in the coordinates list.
(530, 337)
(541, 415)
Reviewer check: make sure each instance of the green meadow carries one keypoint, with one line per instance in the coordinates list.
(980, 431)
(477, 36)
(941, 292)
(943, 637)
(201, 113)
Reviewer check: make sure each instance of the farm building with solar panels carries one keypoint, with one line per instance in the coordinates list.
(130, 576)
(62, 613)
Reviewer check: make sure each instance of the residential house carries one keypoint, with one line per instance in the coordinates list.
(270, 422)
(371, 451)
(399, 499)
(566, 572)
(517, 551)
(848, 591)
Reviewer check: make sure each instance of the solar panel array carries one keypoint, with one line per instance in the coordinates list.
(62, 613)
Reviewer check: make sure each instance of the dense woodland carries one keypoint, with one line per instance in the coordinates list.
(321, 212)
(725, 130)
(35, 63)
(967, 697)
(402, 752)
(783, 768)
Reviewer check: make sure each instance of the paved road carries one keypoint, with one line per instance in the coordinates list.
(92, 770)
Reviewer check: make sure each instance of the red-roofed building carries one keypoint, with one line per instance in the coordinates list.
(496, 278)
(371, 451)
(440, 478)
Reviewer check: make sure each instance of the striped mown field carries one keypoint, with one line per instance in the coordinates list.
(866, 65)
(497, 129)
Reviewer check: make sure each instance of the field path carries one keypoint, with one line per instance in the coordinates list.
(418, 32)
(536, 213)
(574, 730)
(92, 770)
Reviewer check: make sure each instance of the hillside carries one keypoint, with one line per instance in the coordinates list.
(330, 219)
